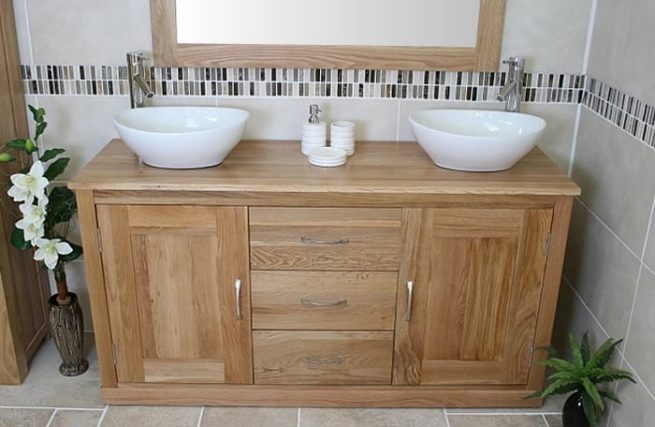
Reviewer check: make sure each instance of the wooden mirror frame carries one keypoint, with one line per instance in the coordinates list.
(483, 57)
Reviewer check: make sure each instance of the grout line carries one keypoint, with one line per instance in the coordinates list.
(200, 415)
(618, 127)
(52, 417)
(102, 417)
(545, 420)
(445, 412)
(576, 135)
(51, 407)
(640, 381)
(612, 232)
(641, 261)
(298, 418)
(584, 304)
(535, 414)
(29, 32)
(590, 36)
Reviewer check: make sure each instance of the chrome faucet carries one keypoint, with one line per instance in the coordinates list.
(512, 93)
(137, 73)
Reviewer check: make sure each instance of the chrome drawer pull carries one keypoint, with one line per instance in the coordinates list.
(410, 294)
(311, 241)
(309, 303)
(237, 294)
(317, 361)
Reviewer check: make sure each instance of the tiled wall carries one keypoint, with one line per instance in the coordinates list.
(609, 274)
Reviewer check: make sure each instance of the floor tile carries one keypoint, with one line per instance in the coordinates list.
(314, 417)
(151, 416)
(554, 420)
(552, 404)
(72, 418)
(24, 417)
(471, 420)
(250, 417)
(45, 386)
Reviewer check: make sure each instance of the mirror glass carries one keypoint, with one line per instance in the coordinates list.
(416, 23)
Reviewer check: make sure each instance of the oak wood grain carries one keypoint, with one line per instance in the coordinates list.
(483, 57)
(322, 357)
(321, 300)
(268, 168)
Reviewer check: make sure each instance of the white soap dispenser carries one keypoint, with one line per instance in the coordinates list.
(314, 131)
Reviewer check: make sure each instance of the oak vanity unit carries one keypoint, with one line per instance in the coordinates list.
(266, 281)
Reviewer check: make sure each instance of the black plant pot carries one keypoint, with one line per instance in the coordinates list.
(67, 329)
(573, 413)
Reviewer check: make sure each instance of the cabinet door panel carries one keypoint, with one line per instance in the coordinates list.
(477, 277)
(170, 275)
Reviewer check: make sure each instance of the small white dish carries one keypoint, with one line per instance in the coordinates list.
(328, 157)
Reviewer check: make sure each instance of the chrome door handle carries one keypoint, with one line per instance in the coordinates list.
(237, 295)
(309, 303)
(311, 241)
(410, 294)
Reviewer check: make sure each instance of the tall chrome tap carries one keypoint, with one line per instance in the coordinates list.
(137, 74)
(512, 93)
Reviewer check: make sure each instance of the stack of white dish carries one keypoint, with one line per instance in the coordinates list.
(342, 135)
(328, 157)
(314, 135)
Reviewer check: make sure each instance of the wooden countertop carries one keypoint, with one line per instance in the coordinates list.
(278, 166)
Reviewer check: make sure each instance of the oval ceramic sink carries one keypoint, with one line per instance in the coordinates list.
(181, 137)
(476, 140)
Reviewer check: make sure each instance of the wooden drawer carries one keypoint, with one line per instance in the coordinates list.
(323, 300)
(324, 239)
(326, 358)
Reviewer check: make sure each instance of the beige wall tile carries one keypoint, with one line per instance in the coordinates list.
(22, 31)
(551, 34)
(617, 178)
(88, 31)
(313, 417)
(496, 421)
(602, 271)
(71, 418)
(621, 51)
(24, 417)
(640, 347)
(558, 138)
(151, 416)
(282, 118)
(649, 254)
(638, 409)
(250, 417)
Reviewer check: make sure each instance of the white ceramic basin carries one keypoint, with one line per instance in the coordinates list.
(181, 137)
(476, 140)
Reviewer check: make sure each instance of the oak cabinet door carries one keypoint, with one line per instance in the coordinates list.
(470, 312)
(178, 292)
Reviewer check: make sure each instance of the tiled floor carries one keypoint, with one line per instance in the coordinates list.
(49, 399)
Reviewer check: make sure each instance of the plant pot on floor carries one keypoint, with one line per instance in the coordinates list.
(67, 329)
(573, 412)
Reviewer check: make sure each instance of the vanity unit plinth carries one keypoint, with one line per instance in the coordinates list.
(388, 282)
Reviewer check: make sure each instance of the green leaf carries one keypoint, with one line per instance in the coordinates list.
(584, 348)
(62, 205)
(559, 387)
(589, 410)
(77, 252)
(22, 144)
(37, 113)
(610, 395)
(51, 154)
(18, 239)
(603, 355)
(6, 157)
(564, 375)
(40, 128)
(559, 364)
(578, 360)
(593, 393)
(56, 168)
(606, 375)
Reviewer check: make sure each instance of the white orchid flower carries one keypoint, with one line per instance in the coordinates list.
(31, 231)
(28, 186)
(34, 214)
(49, 250)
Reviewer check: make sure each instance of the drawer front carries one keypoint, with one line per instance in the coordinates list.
(334, 239)
(322, 358)
(323, 300)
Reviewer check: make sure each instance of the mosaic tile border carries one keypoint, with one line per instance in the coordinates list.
(624, 111)
(294, 82)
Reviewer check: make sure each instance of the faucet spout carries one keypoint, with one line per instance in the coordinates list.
(144, 86)
(506, 91)
(512, 92)
(138, 84)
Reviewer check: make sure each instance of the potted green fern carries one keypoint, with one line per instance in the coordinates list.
(43, 221)
(583, 375)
